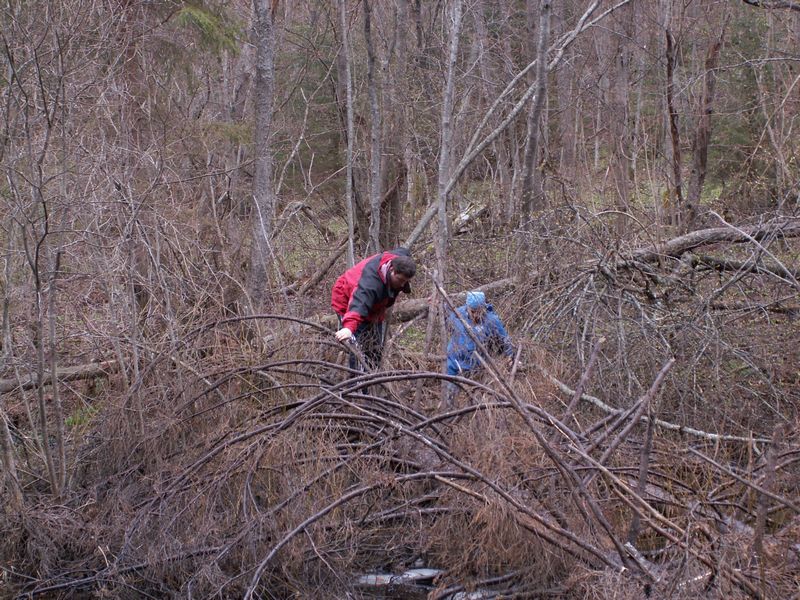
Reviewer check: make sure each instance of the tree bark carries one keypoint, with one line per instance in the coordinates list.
(619, 129)
(674, 200)
(567, 110)
(396, 129)
(375, 155)
(773, 4)
(702, 133)
(441, 239)
(9, 464)
(445, 146)
(263, 192)
(58, 407)
(490, 68)
(532, 193)
(348, 89)
(416, 13)
(78, 372)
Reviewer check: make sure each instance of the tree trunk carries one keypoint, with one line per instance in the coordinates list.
(397, 131)
(9, 464)
(567, 109)
(348, 91)
(486, 91)
(511, 137)
(375, 155)
(441, 237)
(532, 193)
(674, 199)
(620, 129)
(263, 193)
(58, 408)
(416, 13)
(446, 141)
(702, 133)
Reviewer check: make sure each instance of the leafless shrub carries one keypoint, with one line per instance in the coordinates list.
(229, 457)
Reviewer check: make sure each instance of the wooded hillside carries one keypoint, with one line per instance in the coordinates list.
(184, 180)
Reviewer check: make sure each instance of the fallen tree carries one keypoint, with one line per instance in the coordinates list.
(653, 253)
(74, 373)
(306, 473)
(301, 469)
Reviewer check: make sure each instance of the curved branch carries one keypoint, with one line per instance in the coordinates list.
(773, 4)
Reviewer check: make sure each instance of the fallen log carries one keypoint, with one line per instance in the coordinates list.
(464, 219)
(706, 237)
(411, 309)
(77, 372)
(569, 392)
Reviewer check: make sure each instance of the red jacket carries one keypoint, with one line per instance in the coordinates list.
(362, 293)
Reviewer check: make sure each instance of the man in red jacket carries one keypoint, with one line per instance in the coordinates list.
(362, 294)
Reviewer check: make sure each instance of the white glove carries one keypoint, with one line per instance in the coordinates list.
(344, 334)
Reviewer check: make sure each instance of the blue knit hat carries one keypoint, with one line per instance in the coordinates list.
(476, 300)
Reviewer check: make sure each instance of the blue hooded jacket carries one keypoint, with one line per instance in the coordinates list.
(461, 349)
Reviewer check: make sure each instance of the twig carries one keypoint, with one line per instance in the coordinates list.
(785, 502)
(659, 422)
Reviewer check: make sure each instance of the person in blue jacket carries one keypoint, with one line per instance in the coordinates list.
(486, 326)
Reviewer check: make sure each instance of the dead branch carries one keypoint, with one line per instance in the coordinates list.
(659, 422)
(773, 4)
(320, 273)
(638, 414)
(760, 489)
(721, 264)
(78, 372)
(411, 309)
(705, 237)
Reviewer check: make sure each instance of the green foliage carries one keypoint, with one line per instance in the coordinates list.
(215, 32)
(737, 122)
(414, 338)
(82, 416)
(711, 192)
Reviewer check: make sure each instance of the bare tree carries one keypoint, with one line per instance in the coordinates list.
(445, 146)
(618, 113)
(216, 464)
(376, 132)
(532, 193)
(263, 194)
(441, 240)
(702, 131)
(675, 203)
(477, 144)
(566, 86)
(349, 158)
